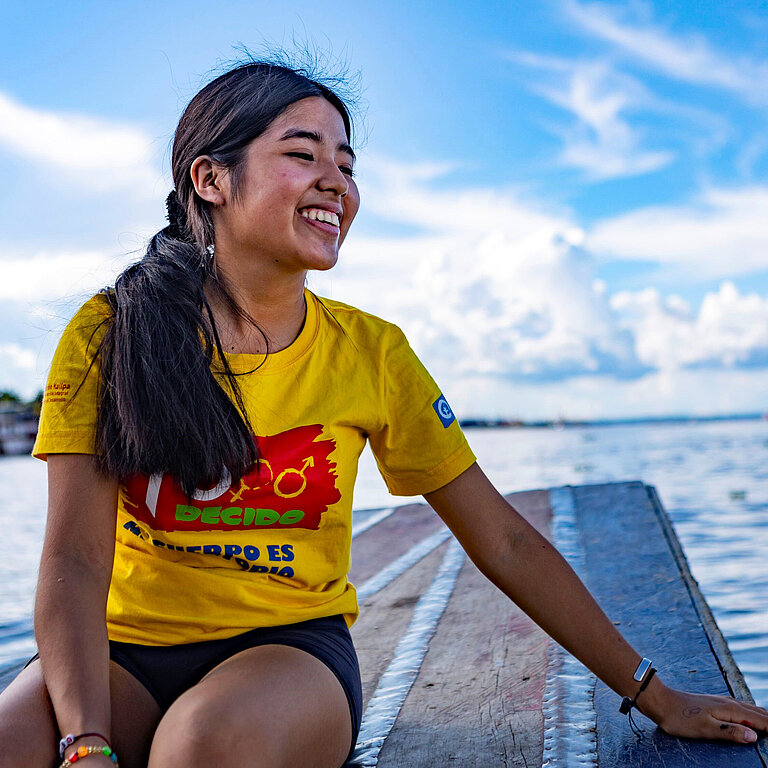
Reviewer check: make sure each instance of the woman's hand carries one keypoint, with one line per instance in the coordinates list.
(703, 716)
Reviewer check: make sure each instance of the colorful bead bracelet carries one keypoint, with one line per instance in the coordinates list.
(87, 752)
(70, 738)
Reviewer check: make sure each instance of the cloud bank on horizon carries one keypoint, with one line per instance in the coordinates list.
(523, 302)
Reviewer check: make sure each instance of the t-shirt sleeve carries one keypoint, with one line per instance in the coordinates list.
(70, 401)
(420, 447)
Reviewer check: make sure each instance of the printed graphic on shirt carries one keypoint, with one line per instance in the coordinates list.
(244, 556)
(293, 485)
(56, 392)
(444, 412)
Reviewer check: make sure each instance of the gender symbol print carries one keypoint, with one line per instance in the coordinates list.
(292, 486)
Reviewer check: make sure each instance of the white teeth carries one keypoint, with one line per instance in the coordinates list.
(319, 214)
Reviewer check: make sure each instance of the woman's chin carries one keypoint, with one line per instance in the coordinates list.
(321, 262)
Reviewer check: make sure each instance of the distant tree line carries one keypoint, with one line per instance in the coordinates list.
(9, 398)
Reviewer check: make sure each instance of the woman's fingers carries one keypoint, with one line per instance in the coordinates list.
(736, 732)
(761, 711)
(739, 721)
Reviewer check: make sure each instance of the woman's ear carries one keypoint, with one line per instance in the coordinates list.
(209, 180)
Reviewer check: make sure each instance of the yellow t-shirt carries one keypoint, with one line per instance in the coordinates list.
(273, 547)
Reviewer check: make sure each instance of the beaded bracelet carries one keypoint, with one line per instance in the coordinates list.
(71, 738)
(87, 752)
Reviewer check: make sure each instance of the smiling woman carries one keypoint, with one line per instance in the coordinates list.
(193, 602)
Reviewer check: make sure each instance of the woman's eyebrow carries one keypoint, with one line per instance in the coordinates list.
(298, 133)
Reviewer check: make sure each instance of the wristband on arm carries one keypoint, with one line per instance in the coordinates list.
(643, 674)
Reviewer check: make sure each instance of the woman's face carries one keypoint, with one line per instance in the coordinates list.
(299, 169)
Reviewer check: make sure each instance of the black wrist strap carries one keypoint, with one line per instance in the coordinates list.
(627, 703)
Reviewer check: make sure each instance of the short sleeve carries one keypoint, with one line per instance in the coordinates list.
(421, 446)
(70, 401)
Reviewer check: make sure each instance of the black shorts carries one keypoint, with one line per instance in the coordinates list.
(167, 671)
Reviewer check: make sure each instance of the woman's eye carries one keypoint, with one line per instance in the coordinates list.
(307, 156)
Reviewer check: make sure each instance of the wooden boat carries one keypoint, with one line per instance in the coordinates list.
(455, 674)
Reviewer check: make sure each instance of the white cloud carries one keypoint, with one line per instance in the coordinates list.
(602, 142)
(660, 393)
(730, 330)
(497, 294)
(16, 357)
(91, 152)
(495, 287)
(721, 234)
(53, 275)
(615, 116)
(689, 58)
(497, 290)
(18, 370)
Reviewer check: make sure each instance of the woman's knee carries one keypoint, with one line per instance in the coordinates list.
(199, 732)
(248, 711)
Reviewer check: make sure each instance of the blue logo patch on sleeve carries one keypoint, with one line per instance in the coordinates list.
(444, 412)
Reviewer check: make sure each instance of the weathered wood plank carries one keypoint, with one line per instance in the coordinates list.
(385, 617)
(477, 699)
(634, 575)
(390, 538)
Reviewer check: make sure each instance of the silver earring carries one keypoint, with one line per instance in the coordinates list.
(207, 259)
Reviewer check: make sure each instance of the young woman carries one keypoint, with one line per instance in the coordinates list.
(192, 604)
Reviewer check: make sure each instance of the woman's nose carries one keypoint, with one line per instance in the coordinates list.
(334, 179)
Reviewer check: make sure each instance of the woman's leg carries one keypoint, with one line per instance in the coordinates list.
(273, 706)
(29, 734)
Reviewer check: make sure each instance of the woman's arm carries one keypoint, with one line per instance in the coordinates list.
(70, 604)
(530, 571)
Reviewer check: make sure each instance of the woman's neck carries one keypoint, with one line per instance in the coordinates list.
(277, 306)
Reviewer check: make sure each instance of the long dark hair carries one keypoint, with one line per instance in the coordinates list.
(161, 408)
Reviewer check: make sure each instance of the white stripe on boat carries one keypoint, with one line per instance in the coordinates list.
(373, 519)
(386, 575)
(568, 705)
(387, 701)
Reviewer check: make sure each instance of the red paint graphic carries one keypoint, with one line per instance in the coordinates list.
(292, 488)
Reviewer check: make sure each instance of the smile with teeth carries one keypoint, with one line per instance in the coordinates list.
(319, 214)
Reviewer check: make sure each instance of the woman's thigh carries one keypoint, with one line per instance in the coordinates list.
(273, 705)
(29, 733)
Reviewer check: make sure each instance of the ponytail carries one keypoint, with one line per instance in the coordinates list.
(161, 407)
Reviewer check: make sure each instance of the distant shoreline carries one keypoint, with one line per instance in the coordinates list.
(571, 423)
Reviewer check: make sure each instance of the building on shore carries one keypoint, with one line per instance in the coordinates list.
(18, 429)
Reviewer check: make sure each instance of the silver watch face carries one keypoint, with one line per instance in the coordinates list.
(642, 669)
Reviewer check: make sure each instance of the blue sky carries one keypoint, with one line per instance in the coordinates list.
(564, 202)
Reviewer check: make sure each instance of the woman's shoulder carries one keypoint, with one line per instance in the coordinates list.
(90, 321)
(360, 324)
(97, 307)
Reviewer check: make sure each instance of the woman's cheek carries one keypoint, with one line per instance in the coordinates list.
(351, 206)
